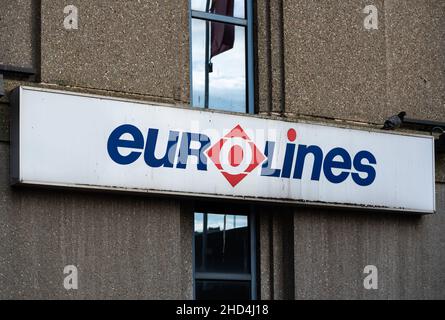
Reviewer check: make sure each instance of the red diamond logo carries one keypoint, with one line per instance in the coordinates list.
(235, 155)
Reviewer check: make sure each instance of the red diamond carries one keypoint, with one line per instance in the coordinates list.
(214, 154)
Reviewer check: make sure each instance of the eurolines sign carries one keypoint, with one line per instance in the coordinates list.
(75, 140)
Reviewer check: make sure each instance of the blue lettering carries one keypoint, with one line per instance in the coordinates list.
(185, 150)
(360, 167)
(266, 169)
(330, 163)
(337, 158)
(288, 160)
(169, 156)
(115, 142)
(304, 150)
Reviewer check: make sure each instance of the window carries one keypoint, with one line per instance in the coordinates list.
(224, 256)
(222, 55)
(222, 78)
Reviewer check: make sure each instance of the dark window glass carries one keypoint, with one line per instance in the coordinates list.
(239, 6)
(222, 243)
(220, 290)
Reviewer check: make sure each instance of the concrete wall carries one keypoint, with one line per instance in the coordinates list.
(18, 25)
(125, 247)
(138, 47)
(314, 253)
(314, 60)
(331, 250)
(326, 66)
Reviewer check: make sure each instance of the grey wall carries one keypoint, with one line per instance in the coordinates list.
(138, 47)
(313, 253)
(19, 25)
(328, 66)
(317, 61)
(314, 60)
(124, 247)
(332, 249)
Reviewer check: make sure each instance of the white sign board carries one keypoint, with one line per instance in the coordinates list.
(75, 140)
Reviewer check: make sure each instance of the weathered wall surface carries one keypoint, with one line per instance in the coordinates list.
(416, 57)
(138, 47)
(18, 25)
(314, 60)
(314, 253)
(125, 247)
(332, 67)
(332, 248)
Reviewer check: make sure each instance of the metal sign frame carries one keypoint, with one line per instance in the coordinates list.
(17, 179)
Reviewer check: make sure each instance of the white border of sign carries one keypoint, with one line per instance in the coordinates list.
(21, 177)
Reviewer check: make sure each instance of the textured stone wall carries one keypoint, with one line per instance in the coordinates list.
(314, 60)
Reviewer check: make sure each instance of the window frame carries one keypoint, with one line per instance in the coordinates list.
(212, 208)
(207, 208)
(246, 22)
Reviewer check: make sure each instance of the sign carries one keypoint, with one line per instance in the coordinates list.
(76, 140)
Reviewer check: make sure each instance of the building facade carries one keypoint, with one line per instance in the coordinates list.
(350, 63)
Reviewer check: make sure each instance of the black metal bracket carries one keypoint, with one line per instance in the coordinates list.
(431, 127)
(16, 72)
(423, 125)
(2, 86)
(439, 144)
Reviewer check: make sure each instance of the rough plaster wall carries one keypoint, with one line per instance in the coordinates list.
(318, 54)
(18, 24)
(333, 68)
(332, 248)
(276, 262)
(136, 47)
(313, 253)
(416, 57)
(125, 247)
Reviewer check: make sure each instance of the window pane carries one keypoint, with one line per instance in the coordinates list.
(227, 82)
(222, 290)
(239, 6)
(222, 243)
(199, 220)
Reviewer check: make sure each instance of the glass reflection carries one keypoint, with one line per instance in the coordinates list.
(227, 81)
(199, 218)
(222, 243)
(222, 290)
(239, 7)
